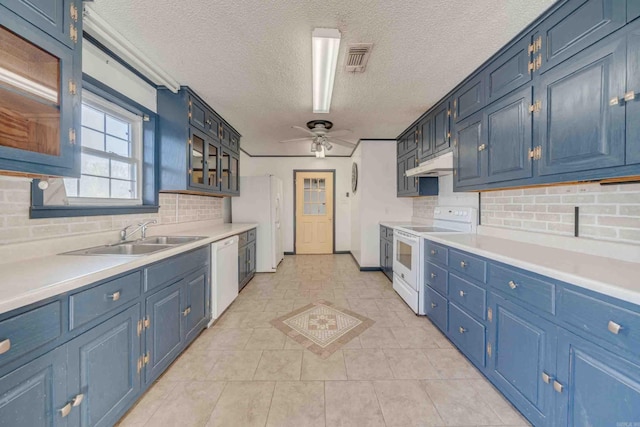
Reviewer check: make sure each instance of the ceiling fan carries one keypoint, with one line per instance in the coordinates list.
(320, 137)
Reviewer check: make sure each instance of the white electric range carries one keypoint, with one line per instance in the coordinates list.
(408, 257)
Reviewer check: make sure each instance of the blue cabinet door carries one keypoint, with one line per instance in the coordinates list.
(197, 303)
(441, 127)
(164, 337)
(633, 84)
(595, 387)
(58, 18)
(509, 137)
(633, 10)
(578, 129)
(401, 179)
(242, 267)
(31, 396)
(412, 181)
(425, 137)
(523, 350)
(102, 367)
(577, 25)
(469, 162)
(469, 98)
(509, 71)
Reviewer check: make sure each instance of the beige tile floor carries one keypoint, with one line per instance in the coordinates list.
(400, 372)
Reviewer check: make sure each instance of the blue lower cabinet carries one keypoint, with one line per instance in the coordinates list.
(520, 352)
(164, 336)
(33, 395)
(102, 370)
(468, 334)
(197, 301)
(595, 387)
(436, 308)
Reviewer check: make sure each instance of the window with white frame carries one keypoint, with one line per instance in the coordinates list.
(111, 172)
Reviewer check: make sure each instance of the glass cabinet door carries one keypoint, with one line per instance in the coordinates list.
(226, 171)
(213, 181)
(197, 169)
(235, 171)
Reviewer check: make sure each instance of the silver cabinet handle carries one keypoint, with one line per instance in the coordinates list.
(5, 346)
(512, 284)
(114, 296)
(613, 327)
(434, 275)
(462, 293)
(463, 264)
(65, 410)
(546, 378)
(186, 311)
(433, 252)
(76, 401)
(557, 386)
(462, 330)
(630, 96)
(614, 101)
(434, 305)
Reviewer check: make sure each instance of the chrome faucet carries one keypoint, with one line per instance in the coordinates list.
(141, 226)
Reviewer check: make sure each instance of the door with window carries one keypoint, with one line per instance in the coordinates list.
(314, 212)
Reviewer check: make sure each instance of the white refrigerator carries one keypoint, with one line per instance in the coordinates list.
(260, 201)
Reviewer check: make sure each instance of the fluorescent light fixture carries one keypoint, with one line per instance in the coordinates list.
(112, 39)
(320, 153)
(325, 47)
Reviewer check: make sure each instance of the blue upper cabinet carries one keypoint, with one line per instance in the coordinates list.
(40, 112)
(632, 94)
(578, 129)
(633, 10)
(191, 139)
(594, 386)
(469, 98)
(425, 138)
(509, 71)
(57, 18)
(575, 26)
(521, 356)
(441, 127)
(467, 151)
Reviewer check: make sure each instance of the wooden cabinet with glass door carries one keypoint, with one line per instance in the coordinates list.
(39, 101)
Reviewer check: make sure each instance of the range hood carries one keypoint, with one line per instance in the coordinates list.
(441, 165)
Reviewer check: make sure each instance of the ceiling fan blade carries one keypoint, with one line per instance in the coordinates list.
(303, 129)
(342, 142)
(298, 139)
(341, 132)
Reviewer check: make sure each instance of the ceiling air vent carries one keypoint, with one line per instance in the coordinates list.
(357, 56)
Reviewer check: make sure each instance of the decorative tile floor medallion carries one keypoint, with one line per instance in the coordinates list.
(321, 327)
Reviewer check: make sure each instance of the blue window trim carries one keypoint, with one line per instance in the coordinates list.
(150, 176)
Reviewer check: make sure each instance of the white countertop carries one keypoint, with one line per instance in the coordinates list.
(394, 224)
(619, 279)
(29, 281)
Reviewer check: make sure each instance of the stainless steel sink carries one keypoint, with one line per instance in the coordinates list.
(128, 249)
(170, 240)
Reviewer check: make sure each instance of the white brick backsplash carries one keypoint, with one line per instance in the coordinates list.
(16, 226)
(607, 212)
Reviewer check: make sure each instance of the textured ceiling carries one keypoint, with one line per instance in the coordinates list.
(251, 59)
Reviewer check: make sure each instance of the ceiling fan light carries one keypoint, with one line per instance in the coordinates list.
(325, 47)
(314, 147)
(320, 153)
(328, 145)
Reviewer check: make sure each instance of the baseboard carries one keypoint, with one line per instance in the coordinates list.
(342, 252)
(370, 269)
(289, 253)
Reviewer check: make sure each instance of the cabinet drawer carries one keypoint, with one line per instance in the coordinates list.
(467, 333)
(166, 271)
(28, 331)
(436, 308)
(599, 318)
(435, 252)
(243, 239)
(93, 303)
(251, 235)
(519, 286)
(468, 295)
(436, 277)
(472, 266)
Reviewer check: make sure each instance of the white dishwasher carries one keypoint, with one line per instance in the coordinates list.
(224, 275)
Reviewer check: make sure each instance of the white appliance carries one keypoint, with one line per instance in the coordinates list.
(261, 202)
(408, 257)
(438, 166)
(224, 275)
